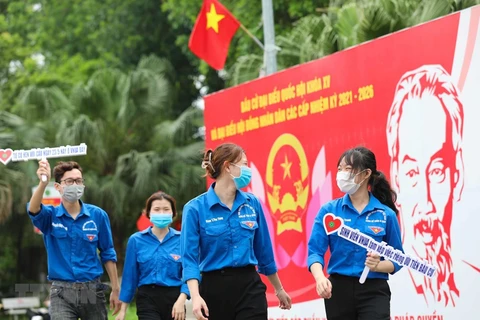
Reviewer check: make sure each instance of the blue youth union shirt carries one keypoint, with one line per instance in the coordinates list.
(151, 262)
(376, 220)
(74, 246)
(215, 237)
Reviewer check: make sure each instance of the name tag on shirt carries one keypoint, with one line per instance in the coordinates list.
(214, 219)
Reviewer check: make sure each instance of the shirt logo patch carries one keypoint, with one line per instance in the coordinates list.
(89, 226)
(376, 217)
(249, 224)
(377, 230)
(246, 211)
(175, 256)
(91, 237)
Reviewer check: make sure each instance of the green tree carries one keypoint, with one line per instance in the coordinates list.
(23, 59)
(183, 13)
(15, 183)
(342, 25)
(136, 145)
(118, 33)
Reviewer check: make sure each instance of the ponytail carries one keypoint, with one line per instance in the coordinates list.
(214, 160)
(380, 188)
(207, 164)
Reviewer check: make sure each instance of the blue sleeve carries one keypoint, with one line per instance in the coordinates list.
(43, 219)
(105, 240)
(184, 289)
(190, 243)
(262, 244)
(130, 273)
(393, 237)
(318, 242)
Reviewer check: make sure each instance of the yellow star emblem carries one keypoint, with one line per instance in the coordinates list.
(286, 168)
(213, 18)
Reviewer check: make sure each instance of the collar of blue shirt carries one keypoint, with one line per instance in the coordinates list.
(62, 211)
(212, 198)
(171, 232)
(373, 204)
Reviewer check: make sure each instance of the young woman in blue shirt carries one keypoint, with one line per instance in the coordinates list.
(369, 206)
(153, 263)
(224, 238)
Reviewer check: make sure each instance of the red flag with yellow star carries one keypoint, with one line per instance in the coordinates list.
(212, 33)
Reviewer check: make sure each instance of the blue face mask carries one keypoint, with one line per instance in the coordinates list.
(161, 220)
(245, 176)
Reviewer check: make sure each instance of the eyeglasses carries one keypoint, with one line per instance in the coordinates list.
(70, 181)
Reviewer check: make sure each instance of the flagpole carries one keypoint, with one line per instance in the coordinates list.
(269, 37)
(260, 44)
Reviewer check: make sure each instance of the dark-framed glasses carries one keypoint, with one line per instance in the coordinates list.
(70, 181)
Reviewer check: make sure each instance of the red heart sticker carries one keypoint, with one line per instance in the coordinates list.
(5, 155)
(332, 223)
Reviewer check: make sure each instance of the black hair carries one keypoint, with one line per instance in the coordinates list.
(62, 167)
(214, 160)
(160, 195)
(360, 159)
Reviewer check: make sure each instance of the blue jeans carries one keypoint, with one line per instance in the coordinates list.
(73, 301)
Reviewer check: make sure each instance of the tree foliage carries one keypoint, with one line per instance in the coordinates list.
(136, 146)
(341, 25)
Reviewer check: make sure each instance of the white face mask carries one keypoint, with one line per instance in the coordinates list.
(73, 193)
(346, 182)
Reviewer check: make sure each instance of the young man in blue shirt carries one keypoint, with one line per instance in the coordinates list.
(76, 234)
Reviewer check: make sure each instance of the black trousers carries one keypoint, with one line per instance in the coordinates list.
(156, 302)
(354, 301)
(234, 294)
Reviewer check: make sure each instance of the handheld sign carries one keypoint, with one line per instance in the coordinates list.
(44, 177)
(334, 224)
(366, 270)
(7, 155)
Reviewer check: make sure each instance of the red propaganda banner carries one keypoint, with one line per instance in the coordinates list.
(405, 96)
